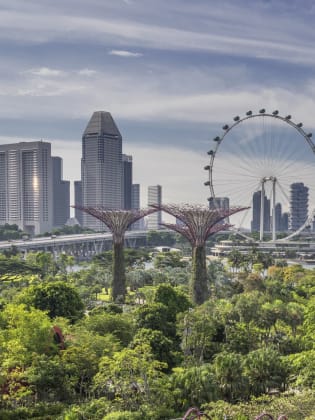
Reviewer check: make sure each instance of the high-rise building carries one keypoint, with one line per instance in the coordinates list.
(135, 205)
(284, 222)
(278, 217)
(255, 225)
(61, 194)
(26, 186)
(127, 181)
(101, 166)
(154, 220)
(78, 214)
(298, 205)
(220, 203)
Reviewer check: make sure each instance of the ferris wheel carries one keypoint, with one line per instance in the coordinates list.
(265, 161)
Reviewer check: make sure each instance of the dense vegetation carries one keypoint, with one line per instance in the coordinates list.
(248, 348)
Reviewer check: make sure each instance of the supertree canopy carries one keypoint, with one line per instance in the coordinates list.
(197, 224)
(117, 221)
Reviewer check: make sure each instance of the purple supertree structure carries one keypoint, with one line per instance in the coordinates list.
(198, 223)
(117, 221)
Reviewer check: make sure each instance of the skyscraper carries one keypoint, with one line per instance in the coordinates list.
(61, 194)
(78, 214)
(154, 197)
(135, 205)
(298, 205)
(26, 186)
(255, 225)
(127, 181)
(278, 217)
(222, 203)
(101, 166)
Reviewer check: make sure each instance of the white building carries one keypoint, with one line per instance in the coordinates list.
(154, 220)
(26, 186)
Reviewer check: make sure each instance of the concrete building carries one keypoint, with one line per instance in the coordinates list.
(285, 222)
(255, 224)
(26, 191)
(135, 204)
(154, 220)
(127, 181)
(61, 194)
(298, 205)
(220, 203)
(101, 166)
(78, 214)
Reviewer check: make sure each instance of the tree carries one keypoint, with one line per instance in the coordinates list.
(119, 325)
(193, 386)
(131, 378)
(169, 259)
(229, 375)
(24, 332)
(264, 370)
(57, 298)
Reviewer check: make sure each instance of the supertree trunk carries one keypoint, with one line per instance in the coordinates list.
(119, 275)
(199, 283)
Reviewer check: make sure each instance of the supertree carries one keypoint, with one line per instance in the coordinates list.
(197, 224)
(117, 221)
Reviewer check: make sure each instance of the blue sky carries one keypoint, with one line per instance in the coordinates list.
(171, 72)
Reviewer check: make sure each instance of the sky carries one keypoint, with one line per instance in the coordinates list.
(171, 73)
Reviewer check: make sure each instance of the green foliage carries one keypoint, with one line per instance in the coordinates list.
(169, 259)
(24, 332)
(15, 265)
(173, 299)
(162, 348)
(68, 230)
(8, 232)
(295, 406)
(57, 298)
(120, 326)
(157, 354)
(264, 370)
(160, 238)
(155, 317)
(131, 377)
(193, 386)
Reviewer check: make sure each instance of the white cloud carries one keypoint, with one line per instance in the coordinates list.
(46, 72)
(87, 72)
(124, 53)
(248, 32)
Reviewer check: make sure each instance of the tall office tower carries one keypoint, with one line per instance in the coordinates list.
(78, 214)
(26, 186)
(220, 203)
(255, 225)
(285, 222)
(298, 205)
(154, 197)
(278, 217)
(61, 194)
(101, 166)
(135, 205)
(127, 181)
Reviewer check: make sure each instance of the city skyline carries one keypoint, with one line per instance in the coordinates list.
(171, 74)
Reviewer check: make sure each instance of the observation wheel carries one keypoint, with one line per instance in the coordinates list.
(265, 161)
